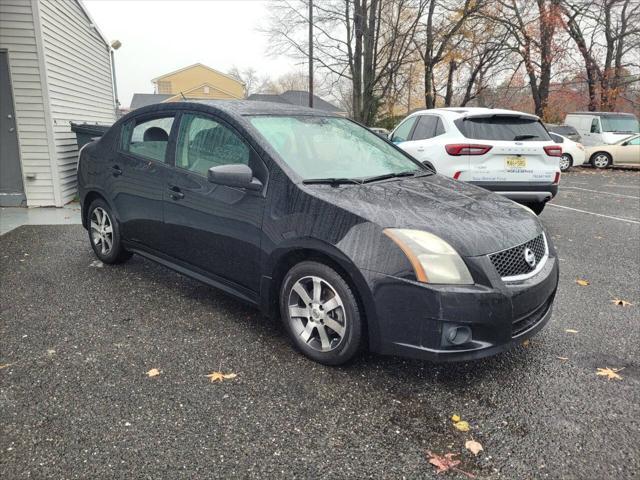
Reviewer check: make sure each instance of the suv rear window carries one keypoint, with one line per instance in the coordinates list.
(503, 128)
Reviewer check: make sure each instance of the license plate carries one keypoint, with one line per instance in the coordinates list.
(516, 162)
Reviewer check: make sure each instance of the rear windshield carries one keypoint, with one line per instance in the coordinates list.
(562, 129)
(503, 128)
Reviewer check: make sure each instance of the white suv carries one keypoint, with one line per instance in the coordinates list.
(508, 152)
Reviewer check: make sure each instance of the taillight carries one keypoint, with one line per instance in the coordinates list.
(556, 180)
(553, 150)
(456, 175)
(458, 149)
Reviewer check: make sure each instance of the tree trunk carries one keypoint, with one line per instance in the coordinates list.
(429, 99)
(357, 59)
(449, 95)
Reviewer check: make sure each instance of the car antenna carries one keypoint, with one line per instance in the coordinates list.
(183, 97)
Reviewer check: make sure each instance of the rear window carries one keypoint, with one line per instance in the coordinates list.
(503, 128)
(562, 129)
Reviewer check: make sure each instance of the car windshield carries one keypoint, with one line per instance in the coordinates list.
(503, 127)
(327, 147)
(620, 124)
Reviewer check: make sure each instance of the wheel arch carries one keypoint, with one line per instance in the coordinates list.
(89, 197)
(282, 260)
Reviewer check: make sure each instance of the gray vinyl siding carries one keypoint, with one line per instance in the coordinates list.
(79, 81)
(18, 36)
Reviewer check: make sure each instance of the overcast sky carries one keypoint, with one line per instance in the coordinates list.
(161, 36)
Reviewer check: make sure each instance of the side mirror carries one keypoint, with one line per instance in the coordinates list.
(234, 175)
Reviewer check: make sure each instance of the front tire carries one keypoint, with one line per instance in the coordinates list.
(104, 233)
(320, 313)
(601, 160)
(537, 207)
(566, 162)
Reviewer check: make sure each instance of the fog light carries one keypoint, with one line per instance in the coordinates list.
(456, 334)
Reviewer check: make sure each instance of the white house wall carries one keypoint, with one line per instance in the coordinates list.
(18, 36)
(78, 67)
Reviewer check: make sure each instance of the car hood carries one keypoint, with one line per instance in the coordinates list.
(472, 220)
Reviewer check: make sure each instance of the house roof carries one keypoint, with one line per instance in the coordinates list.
(295, 97)
(153, 80)
(93, 23)
(144, 99)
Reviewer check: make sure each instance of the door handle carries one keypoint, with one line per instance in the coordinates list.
(175, 192)
(116, 170)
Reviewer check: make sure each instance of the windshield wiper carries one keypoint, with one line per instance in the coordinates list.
(331, 181)
(386, 176)
(524, 137)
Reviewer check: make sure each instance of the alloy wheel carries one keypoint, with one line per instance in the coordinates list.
(601, 161)
(317, 313)
(565, 163)
(101, 230)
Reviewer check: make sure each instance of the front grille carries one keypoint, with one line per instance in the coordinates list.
(530, 320)
(511, 262)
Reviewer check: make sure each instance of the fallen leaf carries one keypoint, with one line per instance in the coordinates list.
(5, 365)
(154, 372)
(455, 417)
(570, 330)
(622, 303)
(563, 358)
(219, 376)
(462, 425)
(610, 373)
(526, 343)
(582, 283)
(473, 446)
(444, 463)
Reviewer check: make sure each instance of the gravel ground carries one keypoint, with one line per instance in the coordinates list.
(76, 340)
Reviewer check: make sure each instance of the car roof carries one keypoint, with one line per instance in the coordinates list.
(604, 114)
(461, 112)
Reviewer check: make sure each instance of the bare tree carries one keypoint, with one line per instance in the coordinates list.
(607, 35)
(363, 41)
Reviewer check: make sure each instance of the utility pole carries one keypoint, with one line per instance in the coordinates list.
(310, 53)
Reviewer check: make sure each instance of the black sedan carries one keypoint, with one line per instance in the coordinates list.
(314, 218)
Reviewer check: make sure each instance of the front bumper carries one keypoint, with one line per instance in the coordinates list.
(412, 316)
(522, 191)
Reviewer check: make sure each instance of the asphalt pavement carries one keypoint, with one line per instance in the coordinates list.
(77, 338)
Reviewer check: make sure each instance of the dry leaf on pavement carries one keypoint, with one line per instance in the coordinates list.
(582, 283)
(455, 417)
(620, 302)
(473, 446)
(610, 373)
(563, 358)
(219, 376)
(570, 330)
(462, 426)
(444, 463)
(154, 372)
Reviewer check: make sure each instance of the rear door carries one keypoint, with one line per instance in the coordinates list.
(424, 143)
(517, 152)
(628, 152)
(137, 176)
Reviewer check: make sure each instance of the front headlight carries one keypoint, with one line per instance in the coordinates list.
(433, 259)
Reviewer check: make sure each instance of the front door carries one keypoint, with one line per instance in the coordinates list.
(11, 188)
(214, 228)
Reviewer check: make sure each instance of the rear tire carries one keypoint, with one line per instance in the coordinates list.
(537, 207)
(601, 160)
(321, 314)
(104, 233)
(566, 162)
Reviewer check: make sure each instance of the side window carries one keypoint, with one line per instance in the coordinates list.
(148, 138)
(440, 128)
(556, 138)
(402, 132)
(425, 128)
(204, 143)
(595, 126)
(635, 141)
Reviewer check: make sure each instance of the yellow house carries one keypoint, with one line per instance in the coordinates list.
(199, 81)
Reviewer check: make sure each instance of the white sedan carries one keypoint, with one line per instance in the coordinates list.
(573, 153)
(625, 152)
